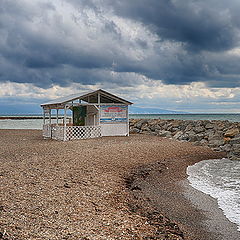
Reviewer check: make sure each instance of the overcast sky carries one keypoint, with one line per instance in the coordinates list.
(172, 54)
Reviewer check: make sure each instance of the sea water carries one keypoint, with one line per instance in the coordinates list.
(37, 123)
(21, 123)
(221, 180)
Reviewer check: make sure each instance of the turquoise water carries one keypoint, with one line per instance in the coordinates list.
(37, 123)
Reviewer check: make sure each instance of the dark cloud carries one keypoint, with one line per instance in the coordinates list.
(61, 42)
(201, 25)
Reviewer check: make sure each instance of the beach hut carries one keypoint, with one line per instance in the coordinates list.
(94, 114)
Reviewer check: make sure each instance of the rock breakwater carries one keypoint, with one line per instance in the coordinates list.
(218, 135)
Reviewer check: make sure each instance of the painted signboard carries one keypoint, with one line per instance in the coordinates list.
(113, 114)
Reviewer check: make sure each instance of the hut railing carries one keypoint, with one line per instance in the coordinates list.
(57, 132)
(47, 130)
(82, 132)
(67, 133)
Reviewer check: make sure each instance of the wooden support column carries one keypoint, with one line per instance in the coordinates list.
(44, 116)
(50, 121)
(127, 122)
(57, 117)
(99, 108)
(65, 123)
(99, 98)
(50, 116)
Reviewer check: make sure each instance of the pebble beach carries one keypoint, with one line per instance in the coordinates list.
(99, 188)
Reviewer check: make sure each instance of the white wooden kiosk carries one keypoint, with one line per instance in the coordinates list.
(94, 114)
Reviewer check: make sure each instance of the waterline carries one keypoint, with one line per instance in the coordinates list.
(220, 179)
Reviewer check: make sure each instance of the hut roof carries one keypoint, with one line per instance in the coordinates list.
(91, 97)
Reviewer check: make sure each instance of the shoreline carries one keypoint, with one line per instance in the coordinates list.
(95, 189)
(215, 219)
(195, 215)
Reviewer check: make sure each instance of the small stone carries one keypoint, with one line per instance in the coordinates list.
(66, 185)
(140, 123)
(227, 139)
(165, 134)
(199, 129)
(215, 137)
(134, 130)
(154, 127)
(177, 135)
(235, 141)
(215, 143)
(145, 128)
(231, 132)
(226, 147)
(233, 157)
(236, 148)
(193, 138)
(209, 126)
(175, 124)
(203, 142)
(184, 137)
(220, 126)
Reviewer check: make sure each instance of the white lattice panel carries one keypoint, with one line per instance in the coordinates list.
(47, 131)
(114, 129)
(82, 132)
(58, 132)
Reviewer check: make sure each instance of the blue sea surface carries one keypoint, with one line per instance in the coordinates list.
(21, 124)
(37, 123)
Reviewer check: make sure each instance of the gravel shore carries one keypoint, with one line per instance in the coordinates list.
(95, 189)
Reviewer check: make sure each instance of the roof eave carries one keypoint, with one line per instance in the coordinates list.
(86, 95)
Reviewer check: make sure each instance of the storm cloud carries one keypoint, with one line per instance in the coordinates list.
(211, 25)
(120, 42)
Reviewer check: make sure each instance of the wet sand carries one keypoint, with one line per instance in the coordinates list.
(215, 220)
(108, 188)
(195, 213)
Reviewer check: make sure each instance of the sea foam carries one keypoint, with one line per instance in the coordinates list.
(221, 180)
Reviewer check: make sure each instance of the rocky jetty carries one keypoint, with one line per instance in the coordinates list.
(218, 135)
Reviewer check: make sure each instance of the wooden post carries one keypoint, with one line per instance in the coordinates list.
(127, 122)
(65, 124)
(99, 110)
(43, 116)
(57, 117)
(99, 99)
(50, 121)
(50, 116)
